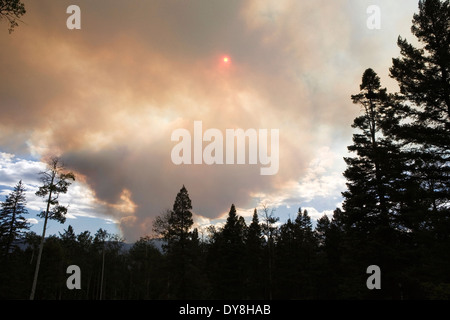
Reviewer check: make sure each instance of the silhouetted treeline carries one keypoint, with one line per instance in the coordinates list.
(238, 261)
(395, 215)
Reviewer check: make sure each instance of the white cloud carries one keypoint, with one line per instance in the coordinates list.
(79, 198)
(324, 177)
(32, 220)
(315, 214)
(13, 169)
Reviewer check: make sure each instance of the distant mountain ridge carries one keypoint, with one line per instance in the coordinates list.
(125, 246)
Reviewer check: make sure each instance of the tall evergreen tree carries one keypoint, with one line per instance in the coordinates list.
(234, 228)
(68, 241)
(12, 220)
(254, 259)
(304, 232)
(285, 262)
(295, 254)
(373, 173)
(228, 277)
(56, 181)
(329, 234)
(180, 220)
(270, 230)
(175, 228)
(69, 237)
(374, 177)
(423, 75)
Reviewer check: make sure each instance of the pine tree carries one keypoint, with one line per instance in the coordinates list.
(175, 227)
(230, 246)
(12, 220)
(270, 230)
(254, 234)
(286, 262)
(329, 236)
(254, 259)
(374, 178)
(304, 232)
(295, 252)
(68, 237)
(423, 75)
(322, 227)
(373, 174)
(55, 182)
(234, 229)
(180, 220)
(68, 241)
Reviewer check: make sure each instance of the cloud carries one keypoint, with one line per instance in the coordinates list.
(79, 198)
(107, 97)
(12, 170)
(32, 221)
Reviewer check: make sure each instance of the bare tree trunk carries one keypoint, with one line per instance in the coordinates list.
(41, 246)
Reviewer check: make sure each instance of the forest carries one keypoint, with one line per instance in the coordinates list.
(395, 214)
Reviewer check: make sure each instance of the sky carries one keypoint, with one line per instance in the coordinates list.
(106, 98)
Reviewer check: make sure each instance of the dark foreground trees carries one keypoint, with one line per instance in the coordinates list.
(423, 75)
(231, 262)
(397, 206)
